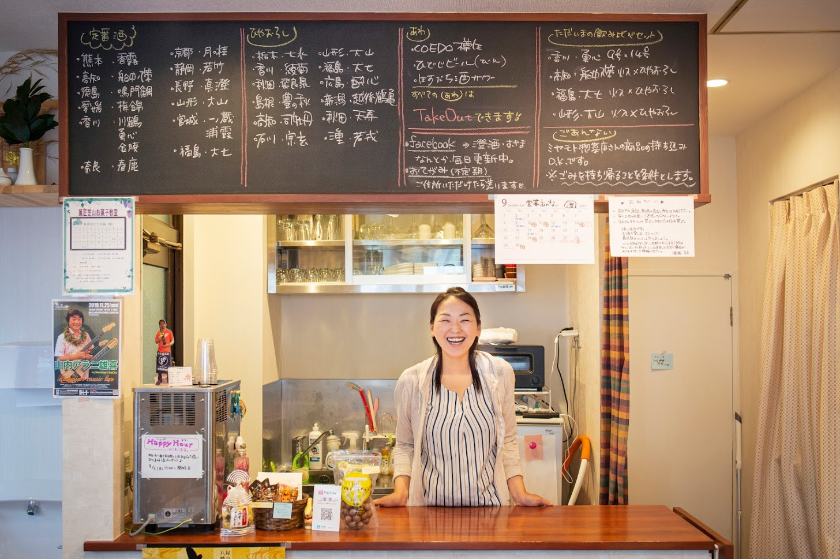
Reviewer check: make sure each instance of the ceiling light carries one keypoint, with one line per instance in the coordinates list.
(717, 83)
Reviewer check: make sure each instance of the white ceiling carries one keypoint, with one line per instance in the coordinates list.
(770, 50)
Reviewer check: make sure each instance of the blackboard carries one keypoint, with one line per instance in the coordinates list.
(275, 104)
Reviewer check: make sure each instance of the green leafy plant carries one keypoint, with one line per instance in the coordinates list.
(21, 122)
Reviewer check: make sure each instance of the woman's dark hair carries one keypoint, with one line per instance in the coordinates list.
(74, 312)
(463, 296)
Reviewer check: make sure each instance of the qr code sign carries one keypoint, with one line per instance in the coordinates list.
(326, 514)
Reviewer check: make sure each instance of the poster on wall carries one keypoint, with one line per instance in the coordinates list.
(98, 246)
(87, 347)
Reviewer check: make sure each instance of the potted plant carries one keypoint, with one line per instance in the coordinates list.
(22, 123)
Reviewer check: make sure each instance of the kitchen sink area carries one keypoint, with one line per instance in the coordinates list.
(326, 477)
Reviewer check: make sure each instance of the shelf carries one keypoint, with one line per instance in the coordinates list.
(322, 244)
(29, 196)
(407, 242)
(324, 288)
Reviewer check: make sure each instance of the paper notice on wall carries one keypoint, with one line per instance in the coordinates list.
(545, 229)
(98, 246)
(652, 226)
(171, 456)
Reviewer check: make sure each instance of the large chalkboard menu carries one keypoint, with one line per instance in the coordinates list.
(287, 104)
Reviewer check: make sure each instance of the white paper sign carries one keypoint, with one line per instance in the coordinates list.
(171, 456)
(180, 376)
(326, 507)
(545, 229)
(652, 226)
(98, 246)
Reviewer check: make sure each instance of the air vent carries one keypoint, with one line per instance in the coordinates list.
(221, 406)
(167, 408)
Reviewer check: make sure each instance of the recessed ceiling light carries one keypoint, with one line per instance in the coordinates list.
(717, 83)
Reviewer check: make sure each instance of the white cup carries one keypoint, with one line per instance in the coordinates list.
(448, 230)
(424, 231)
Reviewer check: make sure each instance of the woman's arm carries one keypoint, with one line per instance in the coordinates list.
(399, 497)
(510, 452)
(516, 486)
(403, 452)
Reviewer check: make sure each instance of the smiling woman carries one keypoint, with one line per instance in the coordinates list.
(456, 425)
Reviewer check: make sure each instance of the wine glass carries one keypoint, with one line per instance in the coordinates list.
(437, 230)
(413, 230)
(483, 231)
(390, 231)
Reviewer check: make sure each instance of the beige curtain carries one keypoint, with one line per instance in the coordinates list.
(796, 497)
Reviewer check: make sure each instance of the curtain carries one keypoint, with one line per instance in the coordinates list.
(796, 496)
(615, 380)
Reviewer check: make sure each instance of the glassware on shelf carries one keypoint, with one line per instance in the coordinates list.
(413, 229)
(483, 231)
(390, 230)
(437, 230)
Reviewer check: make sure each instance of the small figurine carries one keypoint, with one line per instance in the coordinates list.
(164, 340)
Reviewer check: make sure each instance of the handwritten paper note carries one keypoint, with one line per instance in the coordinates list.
(98, 246)
(652, 226)
(171, 456)
(545, 229)
(661, 361)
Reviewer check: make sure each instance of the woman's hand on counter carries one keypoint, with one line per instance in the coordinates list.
(399, 497)
(516, 486)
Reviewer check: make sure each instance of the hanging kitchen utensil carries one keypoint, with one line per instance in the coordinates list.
(355, 386)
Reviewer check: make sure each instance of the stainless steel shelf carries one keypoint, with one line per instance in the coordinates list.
(407, 242)
(322, 288)
(325, 244)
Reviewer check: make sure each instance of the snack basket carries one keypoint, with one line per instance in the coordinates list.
(264, 516)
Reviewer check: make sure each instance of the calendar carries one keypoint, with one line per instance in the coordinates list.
(545, 229)
(98, 246)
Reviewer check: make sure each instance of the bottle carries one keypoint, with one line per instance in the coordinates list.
(316, 453)
(240, 462)
(333, 444)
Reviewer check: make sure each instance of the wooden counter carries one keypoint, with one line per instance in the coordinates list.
(639, 527)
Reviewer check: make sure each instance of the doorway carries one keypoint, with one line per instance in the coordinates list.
(680, 442)
(162, 287)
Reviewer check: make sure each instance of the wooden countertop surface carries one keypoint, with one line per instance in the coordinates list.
(634, 527)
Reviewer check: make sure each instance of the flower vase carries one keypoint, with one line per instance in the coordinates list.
(5, 180)
(26, 174)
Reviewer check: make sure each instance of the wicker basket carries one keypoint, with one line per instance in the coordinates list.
(264, 511)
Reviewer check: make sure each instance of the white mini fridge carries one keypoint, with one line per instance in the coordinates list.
(541, 452)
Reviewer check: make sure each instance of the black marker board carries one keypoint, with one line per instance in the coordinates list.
(159, 106)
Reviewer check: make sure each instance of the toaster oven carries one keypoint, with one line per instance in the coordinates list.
(528, 362)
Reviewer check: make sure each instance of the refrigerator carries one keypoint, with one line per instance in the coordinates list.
(541, 452)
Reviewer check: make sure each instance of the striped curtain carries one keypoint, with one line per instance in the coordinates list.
(615, 380)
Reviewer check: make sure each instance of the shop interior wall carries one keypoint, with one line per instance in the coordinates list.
(795, 146)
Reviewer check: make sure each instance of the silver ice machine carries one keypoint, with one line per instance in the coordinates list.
(181, 452)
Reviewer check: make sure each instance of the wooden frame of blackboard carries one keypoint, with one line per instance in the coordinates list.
(185, 203)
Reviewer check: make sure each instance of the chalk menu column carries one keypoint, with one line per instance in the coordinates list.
(112, 87)
(321, 107)
(470, 98)
(619, 108)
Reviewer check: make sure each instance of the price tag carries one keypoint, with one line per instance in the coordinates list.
(505, 286)
(282, 510)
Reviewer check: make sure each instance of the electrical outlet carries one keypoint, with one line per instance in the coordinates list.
(127, 458)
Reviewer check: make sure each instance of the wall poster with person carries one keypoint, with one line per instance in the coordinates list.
(87, 347)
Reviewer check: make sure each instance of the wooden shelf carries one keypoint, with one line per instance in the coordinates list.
(30, 196)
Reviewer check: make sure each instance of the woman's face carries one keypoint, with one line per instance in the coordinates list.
(75, 322)
(455, 327)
